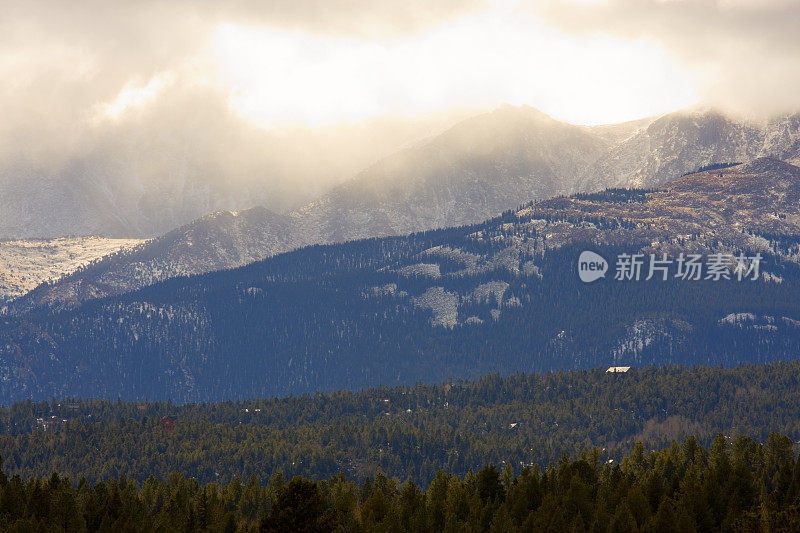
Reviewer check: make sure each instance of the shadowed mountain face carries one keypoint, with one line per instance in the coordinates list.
(477, 169)
(499, 296)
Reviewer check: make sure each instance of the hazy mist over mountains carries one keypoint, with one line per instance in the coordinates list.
(133, 121)
(148, 175)
(476, 169)
(387, 177)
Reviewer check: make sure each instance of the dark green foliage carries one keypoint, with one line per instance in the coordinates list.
(712, 166)
(730, 487)
(413, 432)
(616, 195)
(299, 507)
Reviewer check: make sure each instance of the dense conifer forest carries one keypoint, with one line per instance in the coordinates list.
(408, 433)
(737, 485)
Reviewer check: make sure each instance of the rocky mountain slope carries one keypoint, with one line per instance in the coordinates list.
(499, 296)
(218, 241)
(24, 264)
(491, 163)
(478, 168)
(672, 146)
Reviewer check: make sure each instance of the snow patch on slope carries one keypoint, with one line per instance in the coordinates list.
(24, 264)
(444, 305)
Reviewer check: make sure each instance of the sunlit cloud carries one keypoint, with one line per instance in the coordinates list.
(278, 76)
(134, 96)
(741, 54)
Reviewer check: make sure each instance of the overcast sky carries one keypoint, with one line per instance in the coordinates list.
(77, 74)
(739, 54)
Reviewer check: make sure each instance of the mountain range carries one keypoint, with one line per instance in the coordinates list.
(498, 296)
(478, 168)
(215, 242)
(145, 174)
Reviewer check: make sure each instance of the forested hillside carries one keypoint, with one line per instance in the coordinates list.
(405, 432)
(460, 303)
(738, 486)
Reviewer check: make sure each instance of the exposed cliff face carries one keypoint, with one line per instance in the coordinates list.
(782, 138)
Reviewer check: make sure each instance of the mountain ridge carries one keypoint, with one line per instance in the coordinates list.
(462, 302)
(478, 168)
